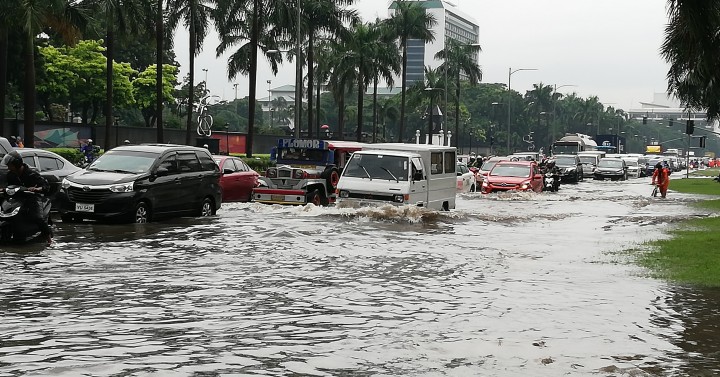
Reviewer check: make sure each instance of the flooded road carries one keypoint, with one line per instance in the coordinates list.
(505, 285)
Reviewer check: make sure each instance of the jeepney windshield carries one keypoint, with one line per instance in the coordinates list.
(565, 148)
(378, 166)
(303, 154)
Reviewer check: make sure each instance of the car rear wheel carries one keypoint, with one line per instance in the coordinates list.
(142, 213)
(314, 198)
(207, 208)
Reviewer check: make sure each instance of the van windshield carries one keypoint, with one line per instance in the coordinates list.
(378, 166)
(124, 162)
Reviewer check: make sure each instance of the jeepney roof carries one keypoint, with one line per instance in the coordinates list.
(390, 152)
(350, 146)
(409, 147)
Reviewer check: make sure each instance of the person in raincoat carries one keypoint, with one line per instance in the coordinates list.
(661, 178)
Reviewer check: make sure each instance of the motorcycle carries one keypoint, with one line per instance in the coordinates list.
(15, 223)
(551, 181)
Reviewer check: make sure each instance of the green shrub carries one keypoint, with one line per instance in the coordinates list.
(259, 162)
(71, 154)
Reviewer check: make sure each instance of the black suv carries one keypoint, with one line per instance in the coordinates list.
(140, 183)
(570, 166)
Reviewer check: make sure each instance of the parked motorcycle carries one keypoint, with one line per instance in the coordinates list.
(15, 223)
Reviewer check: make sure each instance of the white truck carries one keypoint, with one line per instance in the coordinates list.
(402, 174)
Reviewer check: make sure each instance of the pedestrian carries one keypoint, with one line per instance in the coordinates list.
(20, 143)
(661, 178)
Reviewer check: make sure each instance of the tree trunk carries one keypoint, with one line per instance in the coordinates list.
(317, 108)
(457, 112)
(311, 73)
(254, 37)
(402, 101)
(191, 84)
(159, 76)
(29, 91)
(3, 68)
(110, 44)
(375, 114)
(361, 97)
(341, 117)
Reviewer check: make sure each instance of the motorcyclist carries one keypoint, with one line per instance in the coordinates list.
(89, 151)
(20, 174)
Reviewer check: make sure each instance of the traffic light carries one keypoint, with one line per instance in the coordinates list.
(644, 120)
(690, 127)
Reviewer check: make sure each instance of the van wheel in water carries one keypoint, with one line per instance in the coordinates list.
(142, 213)
(207, 208)
(446, 206)
(314, 198)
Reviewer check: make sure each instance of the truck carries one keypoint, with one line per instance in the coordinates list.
(572, 143)
(422, 175)
(305, 171)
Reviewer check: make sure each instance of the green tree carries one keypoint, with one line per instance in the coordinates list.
(145, 91)
(385, 63)
(459, 59)
(196, 15)
(410, 21)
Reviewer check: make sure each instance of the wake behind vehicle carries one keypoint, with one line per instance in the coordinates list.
(15, 221)
(394, 173)
(307, 171)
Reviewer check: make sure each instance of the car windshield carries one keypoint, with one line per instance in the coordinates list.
(302, 154)
(508, 170)
(124, 162)
(631, 163)
(378, 166)
(488, 165)
(610, 163)
(565, 161)
(588, 159)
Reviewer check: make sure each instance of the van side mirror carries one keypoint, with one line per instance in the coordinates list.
(160, 172)
(418, 176)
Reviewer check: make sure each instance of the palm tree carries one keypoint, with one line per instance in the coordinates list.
(385, 64)
(328, 17)
(8, 13)
(460, 59)
(427, 89)
(120, 15)
(159, 39)
(196, 15)
(410, 21)
(340, 82)
(692, 48)
(65, 18)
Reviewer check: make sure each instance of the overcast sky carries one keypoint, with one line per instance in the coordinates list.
(605, 48)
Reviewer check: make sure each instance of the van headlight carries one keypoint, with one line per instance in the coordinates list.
(399, 198)
(344, 193)
(123, 187)
(65, 184)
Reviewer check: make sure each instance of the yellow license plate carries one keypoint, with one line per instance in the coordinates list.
(277, 198)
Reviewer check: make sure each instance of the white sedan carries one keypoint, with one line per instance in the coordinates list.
(465, 178)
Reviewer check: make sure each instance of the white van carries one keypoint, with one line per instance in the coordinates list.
(416, 174)
(590, 160)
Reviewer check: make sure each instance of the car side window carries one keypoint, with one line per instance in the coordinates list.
(241, 166)
(450, 158)
(206, 162)
(30, 161)
(188, 163)
(229, 164)
(48, 163)
(169, 163)
(436, 163)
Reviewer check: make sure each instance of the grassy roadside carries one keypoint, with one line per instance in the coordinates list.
(692, 255)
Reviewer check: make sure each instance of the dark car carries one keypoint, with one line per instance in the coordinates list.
(52, 166)
(141, 183)
(237, 181)
(613, 168)
(570, 167)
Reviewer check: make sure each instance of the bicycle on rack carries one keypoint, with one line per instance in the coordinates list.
(205, 120)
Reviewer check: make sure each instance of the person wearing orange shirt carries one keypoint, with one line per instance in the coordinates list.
(661, 178)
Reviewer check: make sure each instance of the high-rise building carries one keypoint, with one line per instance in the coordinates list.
(452, 23)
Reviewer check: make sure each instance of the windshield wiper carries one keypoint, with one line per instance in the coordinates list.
(391, 174)
(366, 172)
(122, 171)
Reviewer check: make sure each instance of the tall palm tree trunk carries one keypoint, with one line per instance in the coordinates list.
(311, 71)
(375, 112)
(3, 68)
(361, 98)
(109, 46)
(254, 37)
(159, 75)
(402, 101)
(341, 117)
(191, 79)
(317, 108)
(29, 91)
(457, 112)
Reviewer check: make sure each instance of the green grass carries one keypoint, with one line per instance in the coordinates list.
(703, 186)
(711, 172)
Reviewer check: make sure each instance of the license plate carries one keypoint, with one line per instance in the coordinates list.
(80, 207)
(277, 198)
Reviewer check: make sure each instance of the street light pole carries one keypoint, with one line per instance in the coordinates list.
(510, 73)
(235, 85)
(298, 73)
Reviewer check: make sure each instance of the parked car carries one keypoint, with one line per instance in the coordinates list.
(570, 166)
(53, 167)
(633, 167)
(613, 168)
(237, 180)
(141, 183)
(465, 178)
(513, 175)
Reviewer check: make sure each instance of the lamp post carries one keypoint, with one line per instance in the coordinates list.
(510, 73)
(298, 72)
(431, 92)
(235, 85)
(492, 125)
(227, 138)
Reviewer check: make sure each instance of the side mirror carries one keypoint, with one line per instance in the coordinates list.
(160, 172)
(418, 176)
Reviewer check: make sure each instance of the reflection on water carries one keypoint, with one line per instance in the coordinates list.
(510, 284)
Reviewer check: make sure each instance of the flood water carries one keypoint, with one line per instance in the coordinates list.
(504, 285)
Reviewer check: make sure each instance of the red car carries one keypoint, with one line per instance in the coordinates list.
(513, 175)
(237, 181)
